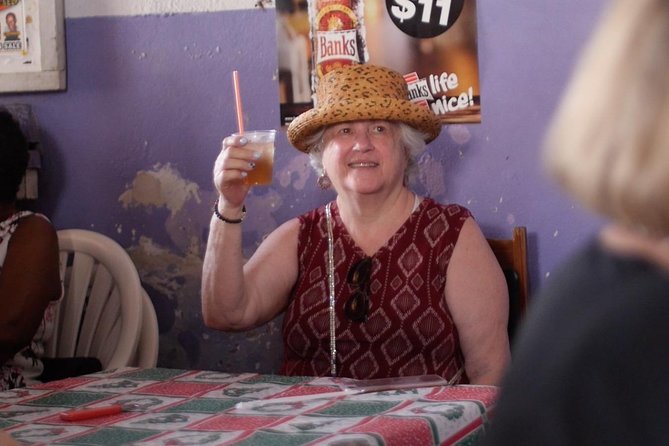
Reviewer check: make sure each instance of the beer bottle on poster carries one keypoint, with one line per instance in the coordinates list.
(337, 35)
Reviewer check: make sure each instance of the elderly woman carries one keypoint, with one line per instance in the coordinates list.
(380, 282)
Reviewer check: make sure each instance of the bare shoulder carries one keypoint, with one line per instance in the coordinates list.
(471, 236)
(291, 226)
(35, 229)
(473, 257)
(281, 242)
(33, 249)
(285, 235)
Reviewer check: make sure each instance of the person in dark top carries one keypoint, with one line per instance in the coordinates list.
(590, 364)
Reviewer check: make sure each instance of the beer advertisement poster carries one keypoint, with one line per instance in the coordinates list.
(432, 43)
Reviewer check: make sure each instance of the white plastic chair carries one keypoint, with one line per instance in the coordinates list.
(101, 312)
(146, 354)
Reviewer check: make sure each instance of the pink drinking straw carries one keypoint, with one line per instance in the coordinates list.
(238, 102)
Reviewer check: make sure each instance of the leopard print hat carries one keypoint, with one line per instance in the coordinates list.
(361, 92)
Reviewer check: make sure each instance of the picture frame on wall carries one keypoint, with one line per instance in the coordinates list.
(32, 46)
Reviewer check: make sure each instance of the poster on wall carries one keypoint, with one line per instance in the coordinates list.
(13, 31)
(32, 52)
(432, 43)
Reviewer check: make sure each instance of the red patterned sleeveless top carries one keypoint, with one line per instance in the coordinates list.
(409, 329)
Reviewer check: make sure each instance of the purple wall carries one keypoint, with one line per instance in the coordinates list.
(129, 148)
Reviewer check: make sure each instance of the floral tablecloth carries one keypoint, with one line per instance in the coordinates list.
(179, 407)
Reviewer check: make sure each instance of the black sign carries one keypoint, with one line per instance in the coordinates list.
(424, 18)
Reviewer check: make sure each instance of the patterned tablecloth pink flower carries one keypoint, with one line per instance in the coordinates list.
(176, 407)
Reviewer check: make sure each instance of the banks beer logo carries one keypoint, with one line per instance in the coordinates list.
(419, 92)
(337, 45)
(4, 4)
(337, 36)
(337, 28)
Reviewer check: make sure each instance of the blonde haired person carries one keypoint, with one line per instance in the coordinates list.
(591, 363)
(380, 282)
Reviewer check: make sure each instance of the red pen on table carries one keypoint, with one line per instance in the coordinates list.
(94, 412)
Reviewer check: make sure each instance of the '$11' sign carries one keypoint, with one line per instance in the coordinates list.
(424, 18)
(407, 10)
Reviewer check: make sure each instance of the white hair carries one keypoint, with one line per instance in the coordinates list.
(411, 140)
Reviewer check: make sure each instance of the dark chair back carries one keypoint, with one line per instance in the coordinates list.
(512, 257)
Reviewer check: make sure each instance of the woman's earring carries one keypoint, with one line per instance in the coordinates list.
(324, 181)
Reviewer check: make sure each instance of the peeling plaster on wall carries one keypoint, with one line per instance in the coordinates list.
(161, 187)
(173, 274)
(459, 133)
(175, 278)
(195, 53)
(139, 55)
(297, 173)
(185, 228)
(165, 271)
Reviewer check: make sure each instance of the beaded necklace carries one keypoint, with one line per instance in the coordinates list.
(331, 289)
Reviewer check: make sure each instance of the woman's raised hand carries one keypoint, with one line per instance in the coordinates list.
(231, 167)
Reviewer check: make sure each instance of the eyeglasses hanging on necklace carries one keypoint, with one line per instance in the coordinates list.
(356, 308)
